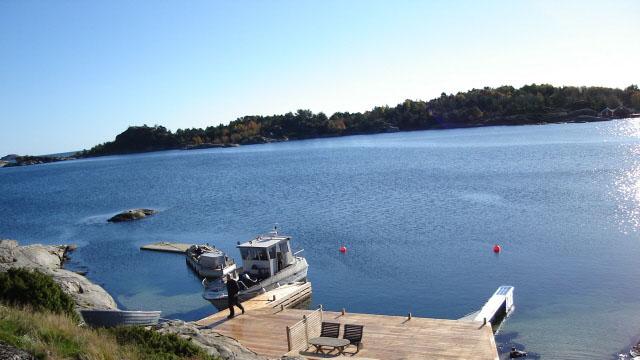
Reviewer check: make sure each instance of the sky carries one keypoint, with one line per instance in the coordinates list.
(77, 73)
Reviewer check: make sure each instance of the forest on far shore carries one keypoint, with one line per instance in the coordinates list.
(505, 105)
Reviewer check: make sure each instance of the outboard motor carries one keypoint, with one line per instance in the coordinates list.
(249, 279)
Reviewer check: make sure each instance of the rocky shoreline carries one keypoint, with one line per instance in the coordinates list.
(49, 259)
(34, 160)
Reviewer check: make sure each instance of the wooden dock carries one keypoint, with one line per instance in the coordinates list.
(263, 329)
(165, 246)
(385, 337)
(283, 297)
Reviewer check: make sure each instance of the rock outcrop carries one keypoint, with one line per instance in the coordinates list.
(35, 160)
(134, 214)
(215, 344)
(48, 259)
(10, 157)
(8, 352)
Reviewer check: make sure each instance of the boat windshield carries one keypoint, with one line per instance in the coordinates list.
(284, 247)
(254, 254)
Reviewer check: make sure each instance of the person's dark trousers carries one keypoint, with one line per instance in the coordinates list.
(233, 300)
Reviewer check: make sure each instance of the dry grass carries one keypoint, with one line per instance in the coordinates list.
(53, 336)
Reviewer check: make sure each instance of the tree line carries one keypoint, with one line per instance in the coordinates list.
(505, 105)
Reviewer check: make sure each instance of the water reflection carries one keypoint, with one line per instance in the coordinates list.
(627, 181)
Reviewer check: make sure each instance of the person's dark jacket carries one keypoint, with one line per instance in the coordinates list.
(232, 288)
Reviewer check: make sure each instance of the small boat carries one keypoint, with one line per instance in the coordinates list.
(209, 262)
(267, 263)
(111, 318)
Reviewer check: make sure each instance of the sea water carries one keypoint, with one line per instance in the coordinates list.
(419, 213)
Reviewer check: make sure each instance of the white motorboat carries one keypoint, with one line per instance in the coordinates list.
(267, 263)
(209, 262)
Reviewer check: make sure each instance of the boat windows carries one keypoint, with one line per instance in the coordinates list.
(284, 247)
(272, 252)
(254, 254)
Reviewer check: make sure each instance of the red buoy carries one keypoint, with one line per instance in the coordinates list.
(343, 249)
(496, 248)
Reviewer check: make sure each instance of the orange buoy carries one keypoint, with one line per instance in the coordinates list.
(497, 248)
(343, 249)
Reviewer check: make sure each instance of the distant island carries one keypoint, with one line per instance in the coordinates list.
(505, 105)
(32, 160)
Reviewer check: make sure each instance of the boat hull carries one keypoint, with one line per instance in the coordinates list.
(292, 274)
(111, 318)
(208, 272)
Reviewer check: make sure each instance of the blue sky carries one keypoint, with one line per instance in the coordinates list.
(77, 73)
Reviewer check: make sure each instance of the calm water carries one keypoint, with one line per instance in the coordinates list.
(419, 213)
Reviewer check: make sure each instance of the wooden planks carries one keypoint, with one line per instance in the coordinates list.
(284, 296)
(385, 337)
(164, 246)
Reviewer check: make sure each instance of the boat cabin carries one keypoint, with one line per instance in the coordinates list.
(266, 255)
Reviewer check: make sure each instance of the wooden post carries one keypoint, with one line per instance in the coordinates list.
(484, 322)
(409, 316)
(306, 328)
(281, 307)
(289, 339)
(343, 311)
(274, 298)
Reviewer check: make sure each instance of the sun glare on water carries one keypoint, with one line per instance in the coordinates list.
(627, 181)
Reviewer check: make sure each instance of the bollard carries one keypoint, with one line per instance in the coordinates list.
(343, 311)
(409, 316)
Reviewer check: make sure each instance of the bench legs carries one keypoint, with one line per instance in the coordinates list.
(319, 349)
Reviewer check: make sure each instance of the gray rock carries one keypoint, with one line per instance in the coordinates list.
(134, 214)
(215, 344)
(8, 352)
(48, 259)
(10, 157)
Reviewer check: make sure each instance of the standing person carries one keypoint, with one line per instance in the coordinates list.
(232, 292)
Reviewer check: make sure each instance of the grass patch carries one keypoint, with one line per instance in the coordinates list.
(57, 336)
(31, 288)
(158, 346)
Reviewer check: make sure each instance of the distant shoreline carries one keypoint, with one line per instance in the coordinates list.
(35, 160)
(505, 105)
